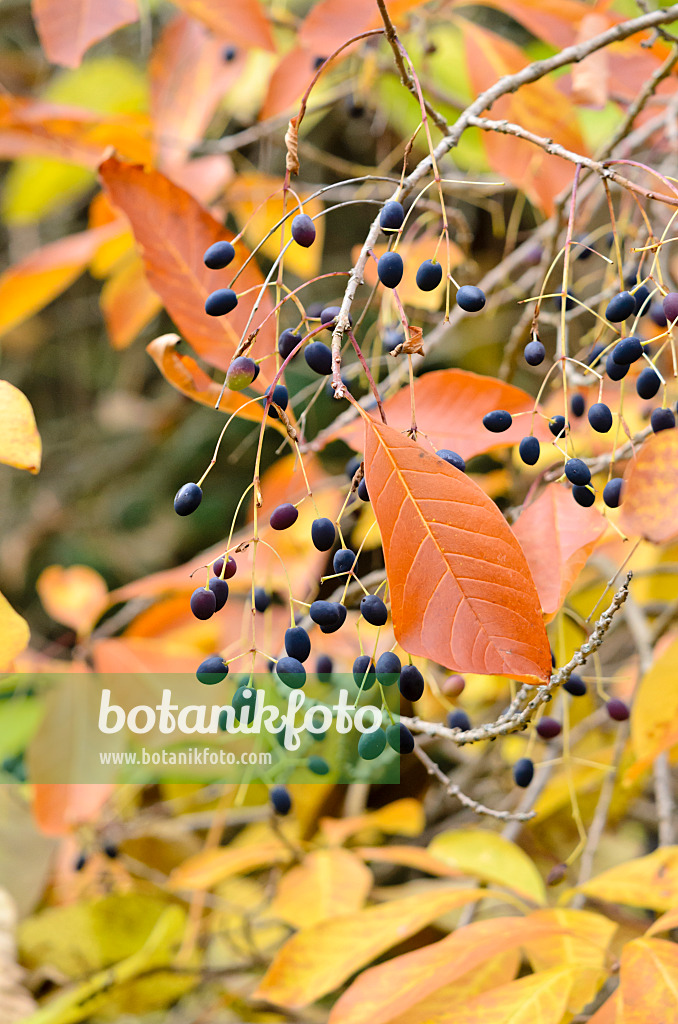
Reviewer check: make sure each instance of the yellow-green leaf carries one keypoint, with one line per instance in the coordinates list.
(20, 443)
(490, 857)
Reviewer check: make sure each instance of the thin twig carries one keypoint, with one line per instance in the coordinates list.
(453, 790)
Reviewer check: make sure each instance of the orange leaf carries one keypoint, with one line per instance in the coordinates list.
(240, 21)
(317, 960)
(59, 807)
(557, 537)
(648, 985)
(331, 22)
(399, 817)
(20, 444)
(410, 857)
(210, 867)
(607, 1013)
(591, 76)
(460, 587)
(75, 596)
(32, 283)
(14, 633)
(128, 302)
(450, 405)
(67, 30)
(650, 881)
(651, 489)
(173, 231)
(555, 21)
(327, 884)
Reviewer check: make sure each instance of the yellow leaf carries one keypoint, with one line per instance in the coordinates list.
(401, 817)
(20, 443)
(490, 857)
(318, 959)
(76, 595)
(327, 884)
(14, 633)
(210, 867)
(539, 997)
(654, 717)
(648, 986)
(650, 881)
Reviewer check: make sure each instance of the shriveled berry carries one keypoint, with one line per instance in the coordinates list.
(600, 417)
(529, 450)
(583, 496)
(497, 421)
(220, 302)
(612, 492)
(291, 672)
(388, 668)
(287, 342)
(373, 610)
(548, 728)
(241, 373)
(577, 472)
(399, 738)
(323, 534)
(458, 719)
(231, 567)
(363, 669)
(620, 307)
(534, 353)
(615, 371)
(332, 627)
(453, 459)
(390, 269)
(523, 772)
(627, 351)
(577, 405)
(203, 603)
(219, 588)
(557, 426)
(662, 419)
(284, 516)
(212, 670)
(297, 643)
(323, 667)
(280, 397)
(187, 499)
(324, 613)
(470, 298)
(371, 744)
(219, 255)
(318, 765)
(362, 490)
(281, 800)
(617, 710)
(319, 358)
(261, 599)
(670, 306)
(303, 230)
(411, 683)
(429, 276)
(575, 686)
(343, 560)
(648, 382)
(392, 216)
(328, 317)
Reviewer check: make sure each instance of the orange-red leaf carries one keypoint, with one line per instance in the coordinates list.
(557, 536)
(651, 489)
(555, 21)
(59, 807)
(68, 29)
(460, 587)
(20, 443)
(173, 231)
(240, 21)
(648, 985)
(450, 405)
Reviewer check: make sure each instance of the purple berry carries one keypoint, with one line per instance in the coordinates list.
(303, 230)
(241, 373)
(617, 710)
(203, 603)
(284, 516)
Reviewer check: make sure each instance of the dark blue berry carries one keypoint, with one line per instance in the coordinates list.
(218, 255)
(284, 516)
(203, 603)
(411, 683)
(569, 301)
(600, 417)
(220, 302)
(557, 426)
(363, 668)
(453, 459)
(575, 686)
(458, 720)
(80, 862)
(303, 230)
(620, 307)
(393, 336)
(219, 588)
(529, 449)
(577, 472)
(388, 668)
(593, 357)
(323, 667)
(187, 499)
(229, 53)
(657, 314)
(343, 560)
(523, 772)
(399, 738)
(362, 490)
(429, 275)
(648, 382)
(627, 351)
(583, 496)
(328, 317)
(534, 353)
(577, 405)
(392, 216)
(261, 599)
(291, 672)
(470, 298)
(212, 670)
(373, 610)
(332, 627)
(352, 466)
(280, 397)
(615, 371)
(662, 419)
(643, 301)
(319, 358)
(281, 800)
(297, 643)
(612, 492)
(323, 534)
(371, 744)
(324, 613)
(497, 421)
(390, 269)
(287, 342)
